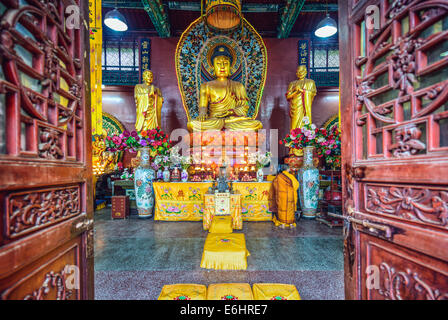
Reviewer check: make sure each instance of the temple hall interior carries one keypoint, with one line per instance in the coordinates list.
(223, 150)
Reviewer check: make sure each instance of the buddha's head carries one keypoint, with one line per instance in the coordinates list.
(222, 61)
(301, 72)
(148, 77)
(221, 65)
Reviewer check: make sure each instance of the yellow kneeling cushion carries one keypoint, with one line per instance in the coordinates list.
(183, 291)
(275, 291)
(221, 224)
(229, 291)
(225, 251)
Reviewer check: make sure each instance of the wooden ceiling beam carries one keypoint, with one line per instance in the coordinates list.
(289, 16)
(158, 16)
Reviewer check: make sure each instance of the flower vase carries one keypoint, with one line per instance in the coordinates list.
(175, 174)
(144, 192)
(308, 177)
(184, 175)
(160, 174)
(166, 175)
(260, 175)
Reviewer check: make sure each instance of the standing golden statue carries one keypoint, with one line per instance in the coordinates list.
(148, 100)
(300, 95)
(223, 103)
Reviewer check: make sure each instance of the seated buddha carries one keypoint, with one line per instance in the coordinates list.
(223, 103)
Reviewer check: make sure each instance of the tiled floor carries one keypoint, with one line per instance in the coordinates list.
(134, 258)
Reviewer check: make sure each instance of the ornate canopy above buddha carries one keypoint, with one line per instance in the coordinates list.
(195, 55)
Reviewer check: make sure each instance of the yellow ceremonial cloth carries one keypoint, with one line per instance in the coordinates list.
(184, 201)
(183, 291)
(225, 251)
(229, 291)
(221, 224)
(275, 291)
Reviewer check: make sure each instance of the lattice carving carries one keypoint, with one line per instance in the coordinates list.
(42, 71)
(400, 81)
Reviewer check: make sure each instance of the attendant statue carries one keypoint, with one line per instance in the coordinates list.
(148, 100)
(223, 103)
(300, 95)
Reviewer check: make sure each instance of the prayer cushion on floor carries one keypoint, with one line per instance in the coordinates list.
(275, 291)
(183, 291)
(221, 224)
(225, 251)
(229, 291)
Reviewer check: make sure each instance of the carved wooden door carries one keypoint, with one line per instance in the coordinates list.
(394, 104)
(46, 230)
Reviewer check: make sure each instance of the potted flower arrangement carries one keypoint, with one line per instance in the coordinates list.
(175, 159)
(260, 160)
(164, 161)
(150, 144)
(330, 147)
(185, 162)
(306, 139)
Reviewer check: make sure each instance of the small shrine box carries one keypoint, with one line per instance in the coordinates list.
(120, 207)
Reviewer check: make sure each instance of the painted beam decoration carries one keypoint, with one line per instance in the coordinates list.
(304, 53)
(145, 56)
(158, 16)
(289, 17)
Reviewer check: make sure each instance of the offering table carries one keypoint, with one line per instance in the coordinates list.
(184, 201)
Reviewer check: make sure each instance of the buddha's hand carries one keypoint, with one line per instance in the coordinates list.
(202, 115)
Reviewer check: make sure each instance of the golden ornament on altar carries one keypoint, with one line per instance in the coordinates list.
(223, 103)
(148, 101)
(300, 95)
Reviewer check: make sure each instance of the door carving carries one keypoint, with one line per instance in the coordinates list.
(45, 169)
(394, 111)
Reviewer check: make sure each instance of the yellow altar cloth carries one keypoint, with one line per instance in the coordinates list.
(229, 291)
(221, 224)
(225, 251)
(184, 201)
(183, 291)
(275, 291)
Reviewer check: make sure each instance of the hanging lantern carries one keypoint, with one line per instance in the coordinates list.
(223, 15)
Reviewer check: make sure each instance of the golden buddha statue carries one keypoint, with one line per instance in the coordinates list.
(148, 100)
(223, 103)
(300, 95)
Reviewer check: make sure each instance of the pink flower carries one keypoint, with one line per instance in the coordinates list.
(328, 152)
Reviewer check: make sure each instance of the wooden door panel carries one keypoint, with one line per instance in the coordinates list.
(47, 278)
(394, 112)
(46, 203)
(403, 274)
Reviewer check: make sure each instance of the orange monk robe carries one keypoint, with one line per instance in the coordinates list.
(283, 199)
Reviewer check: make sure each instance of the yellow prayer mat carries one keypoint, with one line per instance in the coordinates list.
(221, 224)
(275, 291)
(225, 251)
(183, 291)
(278, 223)
(229, 291)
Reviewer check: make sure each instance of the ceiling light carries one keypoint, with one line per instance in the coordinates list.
(326, 28)
(115, 20)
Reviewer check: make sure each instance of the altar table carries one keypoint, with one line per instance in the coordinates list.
(184, 201)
